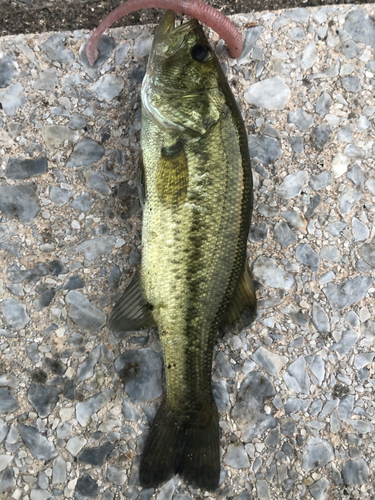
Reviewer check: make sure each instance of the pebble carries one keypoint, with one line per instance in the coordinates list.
(317, 453)
(59, 197)
(347, 341)
(355, 472)
(7, 480)
(258, 232)
(284, 235)
(340, 165)
(221, 396)
(86, 153)
(47, 80)
(330, 253)
(323, 103)
(108, 87)
(140, 371)
(44, 399)
(360, 27)
(350, 83)
(86, 369)
(321, 181)
(86, 409)
(44, 299)
(270, 361)
(297, 144)
(266, 149)
(301, 119)
(20, 169)
(322, 134)
(263, 490)
(12, 99)
(348, 293)
(357, 176)
(54, 47)
(15, 314)
(368, 254)
(308, 56)
(3, 430)
(236, 457)
(59, 471)
(319, 489)
(297, 376)
(77, 122)
(8, 70)
(74, 282)
(360, 231)
(306, 256)
(20, 201)
(40, 447)
(8, 403)
(83, 313)
(5, 461)
(267, 270)
(97, 182)
(320, 319)
(271, 94)
(87, 487)
(348, 199)
(129, 411)
(83, 202)
(92, 249)
(292, 185)
(95, 456)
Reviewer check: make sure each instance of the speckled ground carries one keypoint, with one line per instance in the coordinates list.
(296, 390)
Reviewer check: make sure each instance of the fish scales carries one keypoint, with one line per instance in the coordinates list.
(194, 274)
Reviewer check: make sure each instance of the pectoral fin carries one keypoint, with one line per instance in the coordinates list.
(132, 312)
(243, 305)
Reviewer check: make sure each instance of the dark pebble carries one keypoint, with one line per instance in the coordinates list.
(44, 399)
(39, 376)
(87, 487)
(314, 203)
(44, 299)
(70, 390)
(258, 232)
(8, 403)
(74, 282)
(20, 201)
(95, 456)
(114, 277)
(20, 169)
(55, 366)
(56, 267)
(321, 135)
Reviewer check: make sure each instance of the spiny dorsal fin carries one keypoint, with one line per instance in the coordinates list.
(132, 312)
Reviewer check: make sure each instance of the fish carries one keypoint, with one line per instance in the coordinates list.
(197, 193)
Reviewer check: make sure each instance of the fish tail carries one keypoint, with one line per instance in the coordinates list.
(183, 444)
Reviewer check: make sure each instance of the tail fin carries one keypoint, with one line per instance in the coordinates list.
(183, 444)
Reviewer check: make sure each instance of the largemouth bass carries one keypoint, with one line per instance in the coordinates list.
(194, 274)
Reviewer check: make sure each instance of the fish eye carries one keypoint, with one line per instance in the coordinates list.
(201, 53)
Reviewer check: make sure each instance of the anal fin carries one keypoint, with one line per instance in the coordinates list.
(243, 305)
(131, 312)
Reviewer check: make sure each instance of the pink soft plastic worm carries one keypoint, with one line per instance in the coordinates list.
(192, 8)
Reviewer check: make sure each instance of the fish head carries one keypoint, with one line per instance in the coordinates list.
(183, 81)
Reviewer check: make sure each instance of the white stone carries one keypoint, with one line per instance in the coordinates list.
(340, 165)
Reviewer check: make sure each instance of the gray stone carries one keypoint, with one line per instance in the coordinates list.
(221, 395)
(12, 98)
(83, 313)
(323, 103)
(46, 80)
(3, 430)
(346, 408)
(236, 457)
(114, 277)
(336, 228)
(294, 220)
(95, 456)
(108, 87)
(270, 361)
(86, 369)
(20, 201)
(9, 380)
(347, 341)
(251, 36)
(116, 475)
(8, 403)
(15, 314)
(297, 371)
(301, 119)
(20, 169)
(135, 258)
(129, 411)
(59, 197)
(85, 409)
(267, 211)
(321, 181)
(284, 235)
(8, 70)
(267, 270)
(322, 134)
(258, 231)
(348, 293)
(357, 176)
(271, 94)
(83, 202)
(121, 53)
(266, 149)
(317, 453)
(319, 489)
(54, 47)
(360, 27)
(56, 135)
(306, 256)
(348, 199)
(320, 319)
(16, 275)
(350, 83)
(96, 247)
(345, 134)
(44, 399)
(59, 471)
(87, 487)
(263, 490)
(361, 427)
(74, 282)
(354, 152)
(293, 184)
(86, 153)
(368, 254)
(140, 371)
(314, 203)
(350, 49)
(44, 299)
(106, 46)
(77, 122)
(224, 366)
(308, 56)
(360, 231)
(97, 182)
(355, 472)
(75, 445)
(293, 405)
(297, 143)
(370, 184)
(362, 360)
(40, 447)
(7, 480)
(330, 253)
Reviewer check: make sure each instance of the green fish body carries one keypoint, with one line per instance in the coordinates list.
(194, 274)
